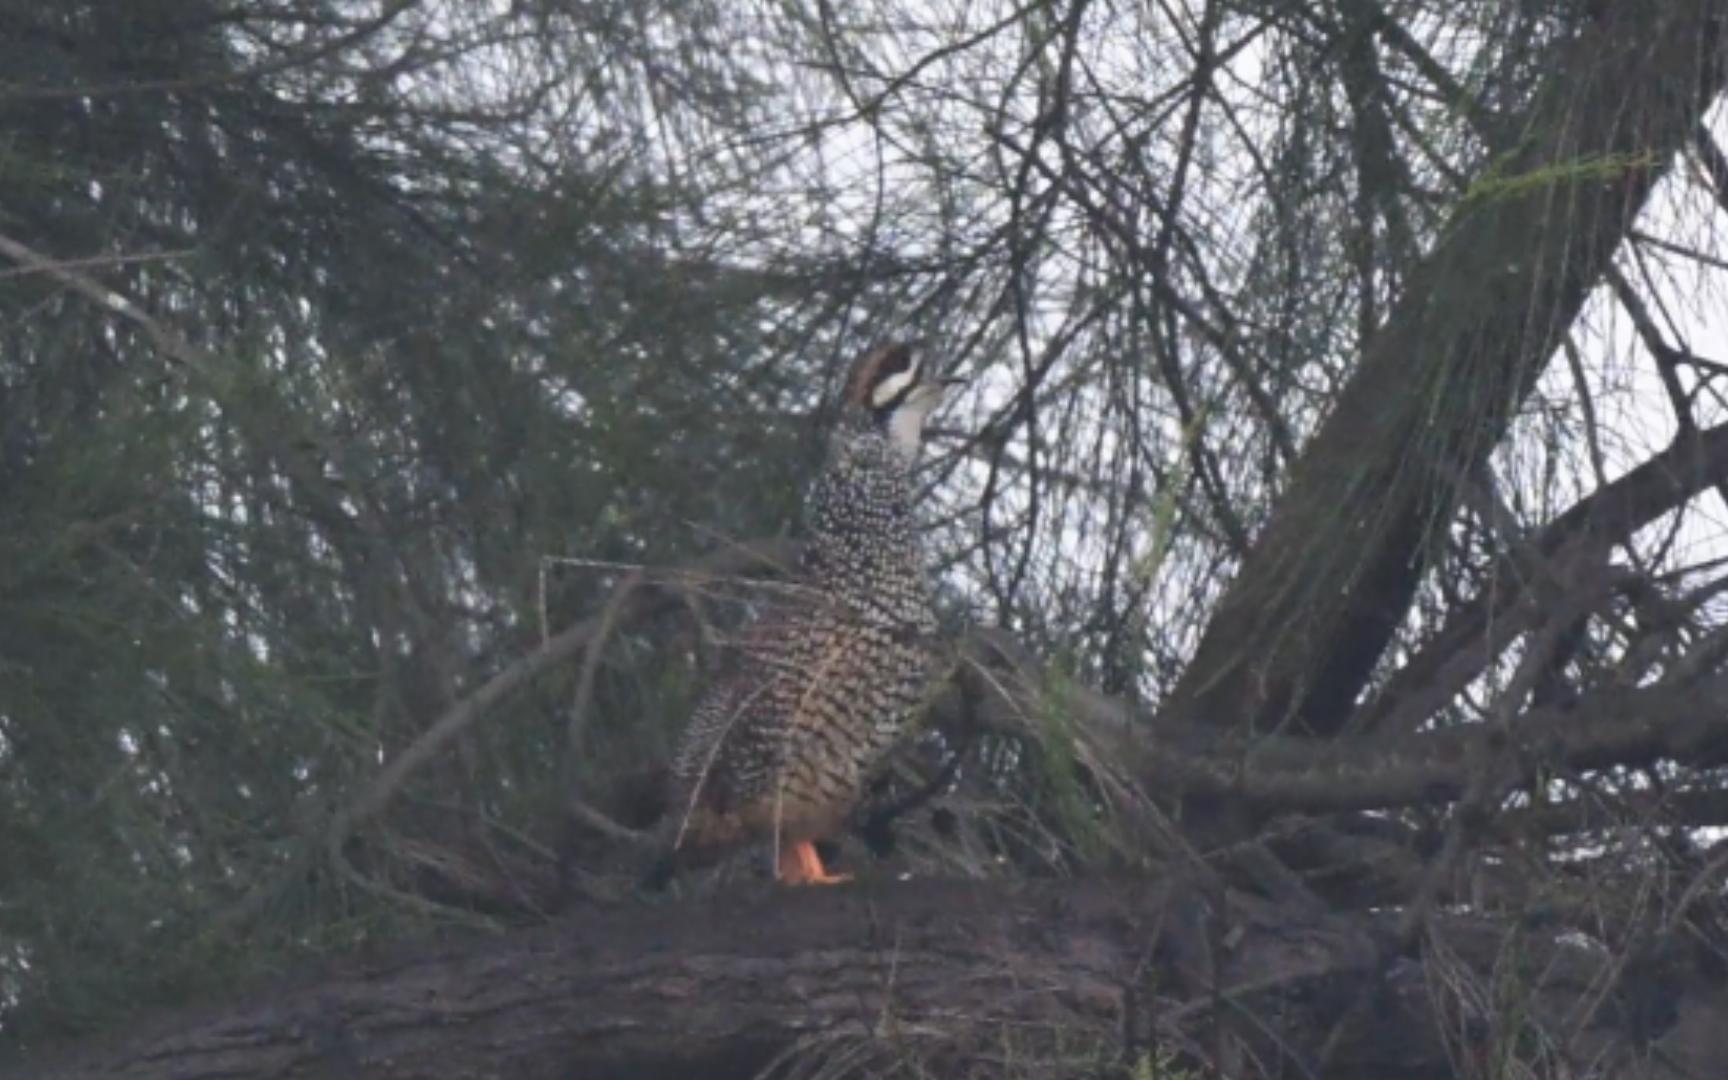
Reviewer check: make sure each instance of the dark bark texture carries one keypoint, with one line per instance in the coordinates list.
(959, 977)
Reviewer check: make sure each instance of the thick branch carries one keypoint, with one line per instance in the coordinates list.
(711, 989)
(1271, 773)
(939, 976)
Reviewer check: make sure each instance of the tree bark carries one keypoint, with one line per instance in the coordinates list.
(1332, 574)
(953, 976)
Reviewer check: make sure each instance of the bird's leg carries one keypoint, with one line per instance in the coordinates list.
(801, 865)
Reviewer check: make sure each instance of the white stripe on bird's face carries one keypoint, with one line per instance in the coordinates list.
(906, 422)
(893, 386)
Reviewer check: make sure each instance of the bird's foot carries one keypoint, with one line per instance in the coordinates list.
(801, 865)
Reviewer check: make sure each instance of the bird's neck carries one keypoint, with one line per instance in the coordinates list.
(905, 430)
(896, 439)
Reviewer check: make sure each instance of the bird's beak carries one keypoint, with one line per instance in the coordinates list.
(952, 381)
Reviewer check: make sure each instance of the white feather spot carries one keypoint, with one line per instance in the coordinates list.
(906, 424)
(889, 389)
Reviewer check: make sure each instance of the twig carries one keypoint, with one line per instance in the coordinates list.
(170, 342)
(660, 576)
(583, 699)
(93, 261)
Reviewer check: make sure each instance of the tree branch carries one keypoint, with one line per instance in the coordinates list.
(1270, 773)
(943, 977)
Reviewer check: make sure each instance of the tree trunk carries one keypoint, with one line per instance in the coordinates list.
(1333, 573)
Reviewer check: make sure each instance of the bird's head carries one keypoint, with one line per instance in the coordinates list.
(893, 389)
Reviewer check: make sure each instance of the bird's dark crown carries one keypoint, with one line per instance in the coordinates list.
(882, 378)
(890, 394)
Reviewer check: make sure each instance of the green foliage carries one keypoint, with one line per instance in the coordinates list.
(1160, 1064)
(230, 588)
(1497, 185)
(1060, 795)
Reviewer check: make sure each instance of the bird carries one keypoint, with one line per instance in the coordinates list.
(781, 745)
